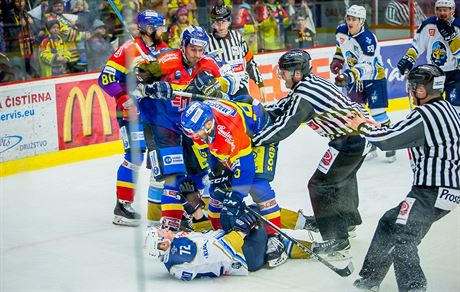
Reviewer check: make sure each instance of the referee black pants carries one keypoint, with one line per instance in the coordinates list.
(334, 194)
(397, 236)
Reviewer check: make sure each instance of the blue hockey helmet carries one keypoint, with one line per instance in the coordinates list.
(194, 35)
(150, 18)
(195, 116)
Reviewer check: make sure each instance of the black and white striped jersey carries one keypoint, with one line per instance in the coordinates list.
(398, 13)
(234, 51)
(432, 134)
(315, 101)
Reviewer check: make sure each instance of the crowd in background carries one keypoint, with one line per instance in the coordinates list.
(41, 38)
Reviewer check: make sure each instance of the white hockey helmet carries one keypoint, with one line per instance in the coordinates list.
(445, 3)
(153, 239)
(357, 11)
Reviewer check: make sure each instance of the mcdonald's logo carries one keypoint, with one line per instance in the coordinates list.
(86, 104)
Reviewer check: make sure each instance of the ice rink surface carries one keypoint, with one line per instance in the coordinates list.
(56, 231)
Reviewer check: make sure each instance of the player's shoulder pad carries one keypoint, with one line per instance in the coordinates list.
(456, 22)
(367, 41)
(428, 21)
(342, 28)
(169, 56)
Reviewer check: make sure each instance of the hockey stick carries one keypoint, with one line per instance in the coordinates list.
(345, 272)
(194, 95)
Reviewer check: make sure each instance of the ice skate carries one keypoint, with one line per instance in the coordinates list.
(390, 156)
(310, 222)
(352, 231)
(334, 249)
(372, 153)
(367, 284)
(276, 252)
(124, 214)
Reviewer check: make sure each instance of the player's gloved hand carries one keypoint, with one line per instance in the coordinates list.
(245, 222)
(345, 78)
(406, 64)
(159, 90)
(446, 29)
(232, 206)
(191, 198)
(220, 182)
(143, 76)
(127, 105)
(336, 65)
(207, 84)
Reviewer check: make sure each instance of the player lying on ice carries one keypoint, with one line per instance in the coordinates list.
(190, 255)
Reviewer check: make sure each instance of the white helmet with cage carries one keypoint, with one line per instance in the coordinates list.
(445, 3)
(153, 239)
(357, 11)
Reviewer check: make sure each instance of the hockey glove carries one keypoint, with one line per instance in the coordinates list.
(158, 90)
(191, 199)
(143, 76)
(406, 64)
(220, 182)
(446, 30)
(336, 65)
(207, 84)
(245, 222)
(232, 206)
(346, 78)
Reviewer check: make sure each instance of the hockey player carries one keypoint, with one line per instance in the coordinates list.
(172, 154)
(363, 73)
(114, 81)
(439, 37)
(214, 253)
(233, 50)
(333, 187)
(432, 133)
(226, 127)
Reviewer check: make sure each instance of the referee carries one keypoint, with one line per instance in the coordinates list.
(233, 50)
(333, 187)
(432, 134)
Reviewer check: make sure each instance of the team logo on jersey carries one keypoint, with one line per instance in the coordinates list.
(439, 53)
(431, 31)
(236, 50)
(341, 41)
(177, 75)
(236, 265)
(351, 58)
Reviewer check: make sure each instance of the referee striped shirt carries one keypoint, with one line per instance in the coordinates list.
(432, 134)
(315, 101)
(234, 50)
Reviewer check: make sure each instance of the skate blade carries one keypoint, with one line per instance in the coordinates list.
(278, 261)
(338, 256)
(120, 220)
(390, 159)
(371, 155)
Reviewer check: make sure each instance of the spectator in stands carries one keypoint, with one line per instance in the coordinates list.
(191, 6)
(70, 35)
(273, 20)
(19, 39)
(305, 36)
(54, 55)
(245, 23)
(398, 13)
(176, 29)
(158, 6)
(99, 47)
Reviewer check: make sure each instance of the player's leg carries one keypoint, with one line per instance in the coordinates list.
(168, 165)
(134, 146)
(377, 99)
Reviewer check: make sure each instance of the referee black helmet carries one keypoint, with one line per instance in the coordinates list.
(296, 60)
(428, 75)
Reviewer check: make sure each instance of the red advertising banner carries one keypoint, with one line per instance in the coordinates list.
(86, 115)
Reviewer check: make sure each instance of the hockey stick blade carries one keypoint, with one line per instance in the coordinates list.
(343, 272)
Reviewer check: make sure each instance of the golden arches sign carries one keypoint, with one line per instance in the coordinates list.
(86, 111)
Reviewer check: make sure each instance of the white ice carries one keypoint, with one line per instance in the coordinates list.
(57, 235)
